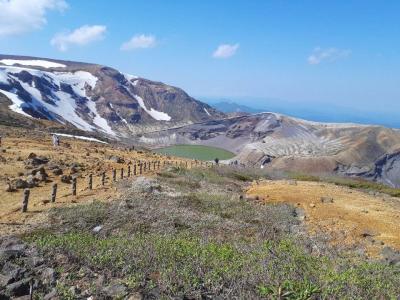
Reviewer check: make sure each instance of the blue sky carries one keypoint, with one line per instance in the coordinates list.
(342, 55)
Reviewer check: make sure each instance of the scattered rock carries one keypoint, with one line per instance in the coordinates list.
(326, 199)
(5, 280)
(115, 291)
(19, 288)
(135, 296)
(57, 171)
(48, 276)
(116, 159)
(32, 181)
(51, 295)
(32, 155)
(312, 205)
(41, 176)
(20, 183)
(66, 178)
(36, 161)
(97, 228)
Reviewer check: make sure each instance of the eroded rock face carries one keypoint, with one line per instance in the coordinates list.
(287, 144)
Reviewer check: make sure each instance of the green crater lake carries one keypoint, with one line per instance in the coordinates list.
(196, 152)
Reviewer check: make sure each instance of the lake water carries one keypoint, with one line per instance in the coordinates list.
(196, 152)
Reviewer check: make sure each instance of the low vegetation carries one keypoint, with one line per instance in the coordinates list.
(356, 183)
(188, 235)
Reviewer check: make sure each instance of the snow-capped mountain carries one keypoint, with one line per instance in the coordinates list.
(95, 98)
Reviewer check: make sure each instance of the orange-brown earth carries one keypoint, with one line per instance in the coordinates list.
(16, 146)
(352, 217)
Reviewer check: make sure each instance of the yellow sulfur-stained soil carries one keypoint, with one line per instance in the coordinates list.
(353, 217)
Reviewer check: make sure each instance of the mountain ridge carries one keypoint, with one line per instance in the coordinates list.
(93, 97)
(103, 102)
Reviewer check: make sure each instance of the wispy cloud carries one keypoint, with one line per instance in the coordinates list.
(320, 55)
(141, 41)
(225, 51)
(81, 36)
(22, 16)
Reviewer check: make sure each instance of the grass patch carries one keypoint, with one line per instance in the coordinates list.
(186, 265)
(194, 238)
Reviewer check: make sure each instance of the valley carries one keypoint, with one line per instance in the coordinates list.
(205, 153)
(130, 204)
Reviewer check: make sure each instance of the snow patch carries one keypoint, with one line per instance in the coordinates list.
(64, 107)
(38, 63)
(123, 120)
(130, 77)
(205, 109)
(80, 137)
(17, 103)
(155, 114)
(98, 120)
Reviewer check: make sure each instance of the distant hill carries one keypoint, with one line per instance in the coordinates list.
(232, 107)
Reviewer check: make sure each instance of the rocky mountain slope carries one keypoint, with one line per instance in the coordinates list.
(93, 98)
(289, 144)
(72, 96)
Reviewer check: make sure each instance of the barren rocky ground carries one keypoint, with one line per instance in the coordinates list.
(185, 233)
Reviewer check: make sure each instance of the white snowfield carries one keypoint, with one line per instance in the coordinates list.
(37, 63)
(123, 120)
(64, 107)
(155, 114)
(80, 137)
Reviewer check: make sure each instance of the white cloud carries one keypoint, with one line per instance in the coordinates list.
(225, 51)
(81, 36)
(21, 16)
(141, 41)
(319, 55)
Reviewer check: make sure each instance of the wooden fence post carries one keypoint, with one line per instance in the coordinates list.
(122, 173)
(129, 170)
(140, 168)
(53, 192)
(145, 167)
(158, 165)
(154, 165)
(74, 186)
(25, 200)
(134, 169)
(90, 182)
(103, 178)
(114, 175)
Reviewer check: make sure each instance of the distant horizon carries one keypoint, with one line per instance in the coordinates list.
(309, 113)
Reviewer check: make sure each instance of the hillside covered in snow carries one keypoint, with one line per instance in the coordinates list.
(95, 98)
